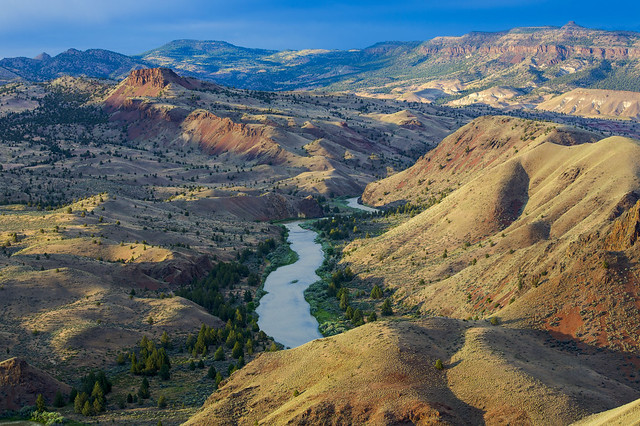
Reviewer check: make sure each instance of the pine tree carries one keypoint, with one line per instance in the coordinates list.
(211, 373)
(98, 406)
(376, 293)
(237, 350)
(164, 340)
(143, 391)
(79, 402)
(97, 394)
(164, 372)
(58, 400)
(219, 355)
(40, 405)
(87, 410)
(386, 307)
(120, 359)
(357, 318)
(162, 402)
(135, 369)
(344, 300)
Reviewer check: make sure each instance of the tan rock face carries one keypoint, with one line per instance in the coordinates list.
(625, 231)
(156, 77)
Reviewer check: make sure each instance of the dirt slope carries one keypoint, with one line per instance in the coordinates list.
(383, 373)
(596, 103)
(20, 383)
(497, 97)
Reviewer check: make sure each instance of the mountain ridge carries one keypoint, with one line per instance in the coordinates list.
(535, 59)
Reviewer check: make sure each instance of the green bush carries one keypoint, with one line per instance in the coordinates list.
(162, 402)
(48, 417)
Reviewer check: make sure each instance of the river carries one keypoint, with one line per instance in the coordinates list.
(283, 312)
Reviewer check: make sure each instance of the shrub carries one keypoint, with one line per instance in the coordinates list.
(162, 402)
(48, 418)
(439, 364)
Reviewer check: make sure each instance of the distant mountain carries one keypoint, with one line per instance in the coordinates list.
(274, 70)
(92, 63)
(535, 62)
(549, 58)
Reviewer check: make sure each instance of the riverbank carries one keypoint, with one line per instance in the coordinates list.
(325, 307)
(293, 304)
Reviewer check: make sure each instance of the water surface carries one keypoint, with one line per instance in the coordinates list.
(283, 312)
(353, 203)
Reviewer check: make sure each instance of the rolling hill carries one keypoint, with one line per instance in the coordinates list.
(538, 236)
(384, 373)
(595, 103)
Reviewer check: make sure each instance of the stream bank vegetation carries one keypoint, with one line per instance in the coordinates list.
(341, 300)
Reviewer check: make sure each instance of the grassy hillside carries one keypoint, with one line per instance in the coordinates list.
(385, 373)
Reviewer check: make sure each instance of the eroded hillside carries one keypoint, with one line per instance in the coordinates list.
(384, 373)
(538, 238)
(484, 143)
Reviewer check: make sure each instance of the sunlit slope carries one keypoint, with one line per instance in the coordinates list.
(484, 143)
(384, 373)
(526, 239)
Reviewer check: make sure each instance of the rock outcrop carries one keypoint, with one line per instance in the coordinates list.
(21, 382)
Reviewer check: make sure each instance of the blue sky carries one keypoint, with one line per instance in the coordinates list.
(28, 27)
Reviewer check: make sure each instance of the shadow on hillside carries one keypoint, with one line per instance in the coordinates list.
(430, 345)
(594, 379)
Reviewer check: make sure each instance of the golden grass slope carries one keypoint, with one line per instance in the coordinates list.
(626, 415)
(524, 239)
(384, 373)
(483, 143)
(596, 103)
